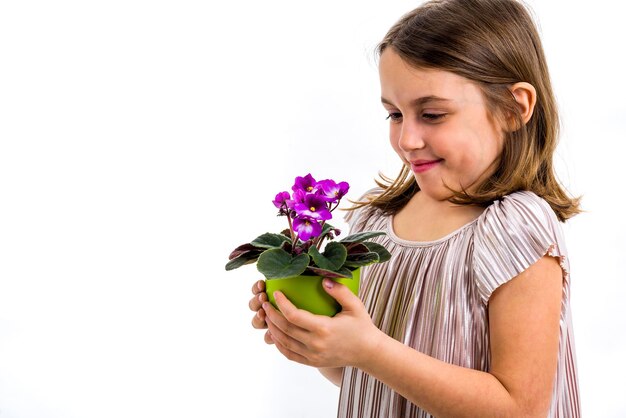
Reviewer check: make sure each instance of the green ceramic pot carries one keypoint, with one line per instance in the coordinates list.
(306, 292)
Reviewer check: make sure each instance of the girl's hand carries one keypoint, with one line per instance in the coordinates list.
(258, 298)
(347, 339)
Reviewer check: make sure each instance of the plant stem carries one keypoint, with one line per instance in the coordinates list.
(318, 244)
(293, 237)
(293, 247)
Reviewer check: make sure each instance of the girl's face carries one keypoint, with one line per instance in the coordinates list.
(439, 126)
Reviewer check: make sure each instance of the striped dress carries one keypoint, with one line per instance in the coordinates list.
(433, 296)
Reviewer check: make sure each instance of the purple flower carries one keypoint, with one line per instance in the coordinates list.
(307, 228)
(298, 197)
(306, 183)
(332, 191)
(281, 199)
(314, 207)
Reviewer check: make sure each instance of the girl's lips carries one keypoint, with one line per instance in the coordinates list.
(419, 166)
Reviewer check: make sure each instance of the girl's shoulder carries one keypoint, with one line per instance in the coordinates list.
(512, 234)
(519, 206)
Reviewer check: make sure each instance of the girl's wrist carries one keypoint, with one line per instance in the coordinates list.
(371, 348)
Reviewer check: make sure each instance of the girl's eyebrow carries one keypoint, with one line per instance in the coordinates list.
(421, 100)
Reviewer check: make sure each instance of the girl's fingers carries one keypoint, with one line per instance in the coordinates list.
(268, 338)
(300, 318)
(256, 302)
(258, 287)
(281, 323)
(284, 340)
(258, 320)
(293, 356)
(258, 290)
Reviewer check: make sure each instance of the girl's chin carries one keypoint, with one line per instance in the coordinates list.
(439, 194)
(440, 191)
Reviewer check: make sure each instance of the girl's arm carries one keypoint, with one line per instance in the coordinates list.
(333, 374)
(524, 335)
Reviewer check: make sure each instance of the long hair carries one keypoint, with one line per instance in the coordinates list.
(494, 43)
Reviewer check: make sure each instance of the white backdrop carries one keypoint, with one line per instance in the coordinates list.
(140, 141)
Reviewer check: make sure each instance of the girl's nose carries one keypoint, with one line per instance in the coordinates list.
(411, 137)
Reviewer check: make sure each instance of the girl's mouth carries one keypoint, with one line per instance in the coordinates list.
(419, 166)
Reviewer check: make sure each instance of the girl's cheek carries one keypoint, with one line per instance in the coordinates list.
(393, 133)
(393, 141)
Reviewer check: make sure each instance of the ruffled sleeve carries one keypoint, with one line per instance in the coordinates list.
(511, 235)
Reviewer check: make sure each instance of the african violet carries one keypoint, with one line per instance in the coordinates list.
(298, 249)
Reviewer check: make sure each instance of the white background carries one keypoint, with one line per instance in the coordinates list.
(140, 141)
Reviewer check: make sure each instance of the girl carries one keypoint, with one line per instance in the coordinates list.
(471, 315)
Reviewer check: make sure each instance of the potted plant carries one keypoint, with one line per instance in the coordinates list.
(296, 260)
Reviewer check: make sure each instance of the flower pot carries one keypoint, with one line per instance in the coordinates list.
(306, 292)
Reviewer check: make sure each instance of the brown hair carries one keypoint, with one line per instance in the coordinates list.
(495, 44)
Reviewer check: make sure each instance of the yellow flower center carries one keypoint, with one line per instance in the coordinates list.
(312, 209)
(308, 189)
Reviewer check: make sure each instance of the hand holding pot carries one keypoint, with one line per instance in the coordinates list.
(347, 339)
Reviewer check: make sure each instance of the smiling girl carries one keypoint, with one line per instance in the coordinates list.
(471, 316)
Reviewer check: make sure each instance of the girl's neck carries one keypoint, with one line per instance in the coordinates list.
(427, 219)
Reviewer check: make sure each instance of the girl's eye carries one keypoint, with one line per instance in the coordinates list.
(433, 116)
(394, 116)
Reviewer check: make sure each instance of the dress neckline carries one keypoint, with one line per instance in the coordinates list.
(408, 243)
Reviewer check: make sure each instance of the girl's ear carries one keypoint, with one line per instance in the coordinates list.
(526, 97)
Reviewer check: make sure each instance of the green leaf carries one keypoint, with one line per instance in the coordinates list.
(287, 246)
(246, 257)
(244, 248)
(336, 253)
(333, 257)
(269, 240)
(356, 247)
(361, 259)
(380, 250)
(326, 229)
(362, 236)
(277, 263)
(342, 273)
